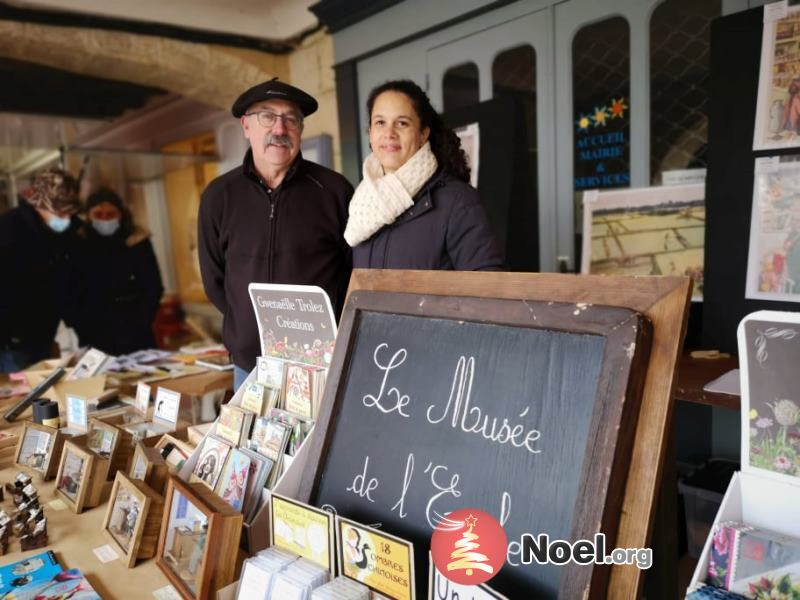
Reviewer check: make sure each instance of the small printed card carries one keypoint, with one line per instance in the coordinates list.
(269, 371)
(77, 417)
(382, 562)
(253, 398)
(167, 405)
(298, 390)
(142, 401)
(105, 554)
(230, 423)
(302, 529)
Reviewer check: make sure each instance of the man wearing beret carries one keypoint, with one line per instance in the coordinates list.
(276, 219)
(38, 243)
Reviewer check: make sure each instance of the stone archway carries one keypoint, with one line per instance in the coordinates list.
(211, 74)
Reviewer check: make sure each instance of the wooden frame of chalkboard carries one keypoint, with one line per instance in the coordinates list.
(596, 358)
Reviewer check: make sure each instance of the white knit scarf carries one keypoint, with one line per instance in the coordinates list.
(379, 199)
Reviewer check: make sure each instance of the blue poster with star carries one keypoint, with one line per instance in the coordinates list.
(602, 145)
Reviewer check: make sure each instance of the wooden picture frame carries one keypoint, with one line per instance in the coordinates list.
(207, 551)
(91, 488)
(102, 439)
(612, 344)
(133, 535)
(664, 300)
(148, 465)
(44, 461)
(182, 445)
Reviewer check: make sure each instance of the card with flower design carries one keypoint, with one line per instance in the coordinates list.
(769, 350)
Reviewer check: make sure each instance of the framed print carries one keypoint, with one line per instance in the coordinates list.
(175, 452)
(102, 438)
(39, 449)
(382, 562)
(149, 466)
(232, 484)
(199, 539)
(773, 259)
(133, 519)
(645, 231)
(74, 475)
(212, 457)
(778, 106)
(769, 351)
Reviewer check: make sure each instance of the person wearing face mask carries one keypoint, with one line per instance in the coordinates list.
(119, 280)
(415, 209)
(276, 219)
(38, 244)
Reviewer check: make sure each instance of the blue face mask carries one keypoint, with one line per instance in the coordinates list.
(58, 224)
(105, 227)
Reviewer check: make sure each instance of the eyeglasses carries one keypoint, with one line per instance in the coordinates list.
(267, 119)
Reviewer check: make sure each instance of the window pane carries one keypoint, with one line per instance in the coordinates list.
(460, 86)
(601, 93)
(679, 54)
(514, 78)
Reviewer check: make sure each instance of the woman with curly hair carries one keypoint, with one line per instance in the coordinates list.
(415, 209)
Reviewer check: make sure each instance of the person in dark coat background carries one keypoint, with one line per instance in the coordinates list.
(38, 243)
(119, 279)
(415, 209)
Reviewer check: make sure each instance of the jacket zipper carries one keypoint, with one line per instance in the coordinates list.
(271, 249)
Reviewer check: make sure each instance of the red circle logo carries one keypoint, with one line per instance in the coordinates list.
(469, 546)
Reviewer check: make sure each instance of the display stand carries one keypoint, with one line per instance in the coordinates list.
(761, 494)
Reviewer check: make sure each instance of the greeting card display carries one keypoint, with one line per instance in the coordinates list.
(199, 538)
(133, 519)
(39, 449)
(81, 480)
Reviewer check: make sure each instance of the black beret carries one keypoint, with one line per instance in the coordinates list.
(274, 90)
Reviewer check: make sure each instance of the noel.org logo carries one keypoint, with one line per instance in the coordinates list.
(469, 547)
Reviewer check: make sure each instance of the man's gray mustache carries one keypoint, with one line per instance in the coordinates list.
(279, 140)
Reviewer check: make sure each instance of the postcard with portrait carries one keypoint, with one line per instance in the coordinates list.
(232, 484)
(773, 262)
(210, 461)
(778, 106)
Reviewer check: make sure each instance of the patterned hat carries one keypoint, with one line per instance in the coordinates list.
(55, 191)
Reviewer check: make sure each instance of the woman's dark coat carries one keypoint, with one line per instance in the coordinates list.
(445, 229)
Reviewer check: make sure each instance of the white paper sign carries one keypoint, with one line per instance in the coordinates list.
(105, 554)
(683, 176)
(775, 11)
(77, 413)
(168, 403)
(166, 593)
(142, 401)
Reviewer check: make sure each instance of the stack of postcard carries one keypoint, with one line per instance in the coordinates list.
(258, 572)
(234, 424)
(342, 588)
(303, 389)
(259, 398)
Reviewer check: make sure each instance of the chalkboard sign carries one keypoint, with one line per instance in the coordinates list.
(526, 410)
